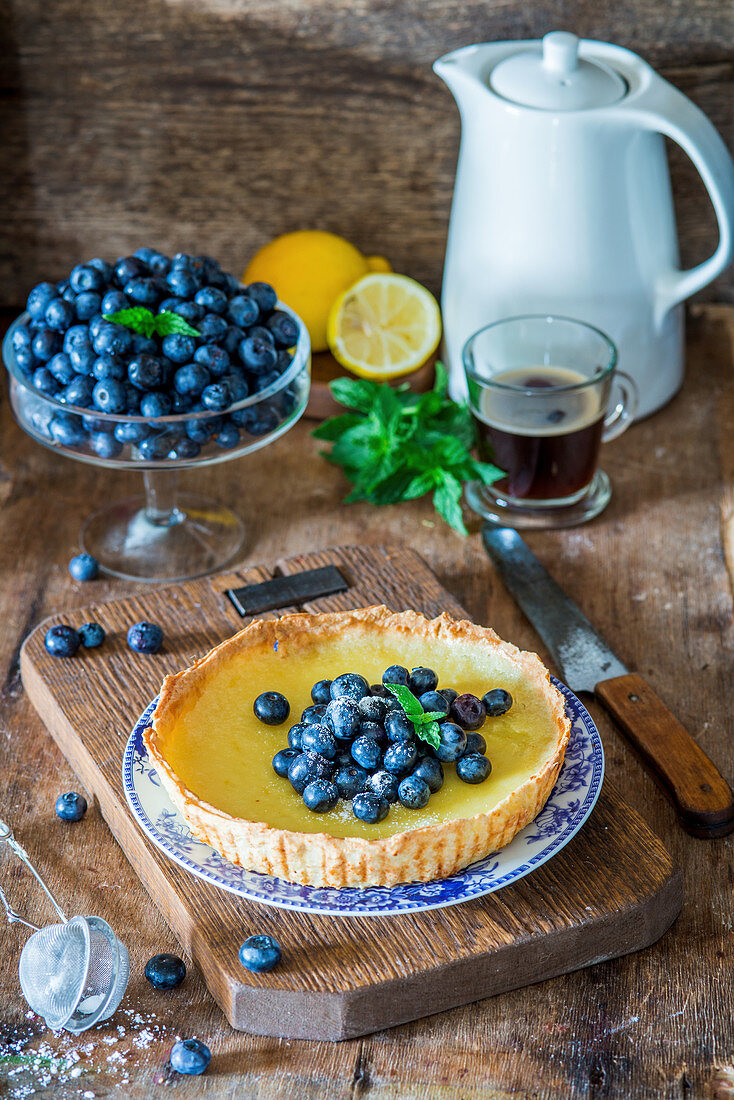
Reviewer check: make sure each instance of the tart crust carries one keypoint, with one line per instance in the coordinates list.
(318, 859)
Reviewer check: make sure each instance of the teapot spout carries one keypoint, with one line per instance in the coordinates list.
(466, 71)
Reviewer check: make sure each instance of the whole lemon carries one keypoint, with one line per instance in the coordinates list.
(309, 270)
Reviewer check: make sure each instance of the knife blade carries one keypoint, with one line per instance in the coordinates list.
(700, 795)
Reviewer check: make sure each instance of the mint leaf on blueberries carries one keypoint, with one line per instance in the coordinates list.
(423, 722)
(430, 733)
(169, 323)
(141, 320)
(407, 700)
(398, 445)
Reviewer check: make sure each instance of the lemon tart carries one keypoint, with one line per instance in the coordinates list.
(214, 757)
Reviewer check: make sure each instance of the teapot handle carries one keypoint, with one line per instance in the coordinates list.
(662, 108)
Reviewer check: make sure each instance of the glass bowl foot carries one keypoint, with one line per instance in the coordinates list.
(141, 543)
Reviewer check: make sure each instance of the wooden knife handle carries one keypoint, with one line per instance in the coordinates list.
(701, 796)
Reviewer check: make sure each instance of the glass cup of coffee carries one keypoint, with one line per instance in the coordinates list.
(545, 393)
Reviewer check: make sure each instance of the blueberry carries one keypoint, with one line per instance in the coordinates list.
(344, 759)
(212, 299)
(350, 779)
(39, 298)
(449, 695)
(216, 396)
(22, 337)
(159, 264)
(283, 328)
(367, 753)
(235, 382)
(25, 360)
(398, 726)
(422, 680)
(129, 432)
(497, 702)
(395, 674)
(142, 345)
(414, 792)
(184, 449)
(343, 717)
(108, 369)
(380, 692)
(473, 767)
(181, 402)
(44, 381)
(320, 692)
(320, 739)
(370, 808)
(86, 277)
(61, 641)
(191, 379)
(182, 283)
(67, 430)
(92, 635)
(169, 305)
(475, 743)
(260, 332)
(372, 709)
(165, 971)
(110, 396)
(145, 637)
(231, 341)
(97, 424)
(295, 733)
(105, 445)
(320, 796)
(60, 315)
(272, 708)
(429, 769)
(190, 1056)
(212, 328)
(468, 711)
(111, 339)
(434, 701)
(155, 405)
(373, 730)
(201, 430)
(82, 358)
(154, 447)
(349, 685)
(146, 372)
(71, 806)
(178, 348)
(314, 715)
(258, 421)
(101, 265)
(84, 567)
(260, 953)
(299, 773)
(87, 305)
(79, 391)
(264, 295)
(243, 310)
(75, 337)
(93, 329)
(144, 255)
(401, 758)
(45, 344)
(228, 437)
(257, 354)
(384, 785)
(127, 268)
(281, 761)
(190, 312)
(452, 743)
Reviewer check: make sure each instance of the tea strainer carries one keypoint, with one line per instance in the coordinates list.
(74, 974)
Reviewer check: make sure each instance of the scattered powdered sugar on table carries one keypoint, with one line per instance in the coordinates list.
(36, 1058)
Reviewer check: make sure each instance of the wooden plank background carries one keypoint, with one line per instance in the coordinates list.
(212, 125)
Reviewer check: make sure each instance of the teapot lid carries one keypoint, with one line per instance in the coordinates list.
(554, 77)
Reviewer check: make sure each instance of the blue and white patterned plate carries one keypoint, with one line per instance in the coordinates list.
(568, 807)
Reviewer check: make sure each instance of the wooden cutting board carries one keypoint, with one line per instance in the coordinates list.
(613, 889)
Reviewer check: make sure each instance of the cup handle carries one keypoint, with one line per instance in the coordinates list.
(620, 414)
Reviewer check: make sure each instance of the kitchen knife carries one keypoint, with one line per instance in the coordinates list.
(701, 796)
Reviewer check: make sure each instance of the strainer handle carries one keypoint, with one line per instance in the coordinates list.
(6, 834)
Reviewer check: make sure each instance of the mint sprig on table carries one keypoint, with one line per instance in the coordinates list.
(141, 320)
(398, 445)
(424, 721)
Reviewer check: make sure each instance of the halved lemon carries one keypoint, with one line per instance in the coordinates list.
(384, 325)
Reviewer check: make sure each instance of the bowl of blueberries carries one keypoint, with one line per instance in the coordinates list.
(157, 364)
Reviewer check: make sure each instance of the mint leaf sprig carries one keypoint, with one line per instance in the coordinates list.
(397, 445)
(141, 320)
(424, 721)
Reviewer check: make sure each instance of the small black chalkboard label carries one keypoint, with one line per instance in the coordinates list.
(297, 589)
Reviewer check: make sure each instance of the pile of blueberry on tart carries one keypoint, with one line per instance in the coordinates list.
(381, 744)
(116, 347)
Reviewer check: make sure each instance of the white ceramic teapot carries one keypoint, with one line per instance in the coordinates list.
(563, 204)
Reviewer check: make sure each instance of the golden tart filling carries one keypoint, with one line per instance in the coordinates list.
(214, 756)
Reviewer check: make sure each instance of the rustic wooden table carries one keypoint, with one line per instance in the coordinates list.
(651, 573)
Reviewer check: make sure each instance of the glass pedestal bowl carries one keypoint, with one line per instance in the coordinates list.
(163, 535)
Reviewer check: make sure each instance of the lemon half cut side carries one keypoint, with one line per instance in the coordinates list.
(383, 326)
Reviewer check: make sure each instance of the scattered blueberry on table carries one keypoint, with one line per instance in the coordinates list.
(260, 953)
(71, 806)
(165, 971)
(145, 637)
(91, 635)
(190, 1056)
(84, 567)
(365, 746)
(62, 641)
